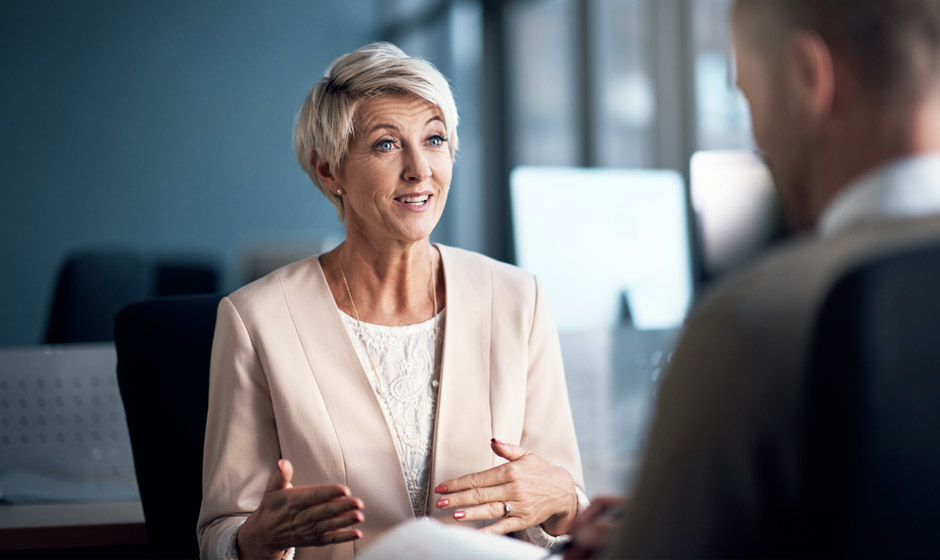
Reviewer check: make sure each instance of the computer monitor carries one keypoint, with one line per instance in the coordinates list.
(609, 245)
(736, 208)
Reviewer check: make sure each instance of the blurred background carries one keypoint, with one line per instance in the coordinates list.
(162, 130)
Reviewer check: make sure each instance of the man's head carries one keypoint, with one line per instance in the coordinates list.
(836, 87)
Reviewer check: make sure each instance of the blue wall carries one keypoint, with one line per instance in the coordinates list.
(159, 126)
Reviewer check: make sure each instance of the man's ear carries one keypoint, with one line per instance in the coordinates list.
(326, 175)
(811, 74)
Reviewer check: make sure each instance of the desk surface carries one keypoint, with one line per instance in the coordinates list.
(65, 525)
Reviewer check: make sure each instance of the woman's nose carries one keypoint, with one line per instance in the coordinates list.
(417, 167)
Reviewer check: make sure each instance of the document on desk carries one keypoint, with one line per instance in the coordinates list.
(427, 538)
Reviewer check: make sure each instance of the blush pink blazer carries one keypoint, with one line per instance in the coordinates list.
(285, 381)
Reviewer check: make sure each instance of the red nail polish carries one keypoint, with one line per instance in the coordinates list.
(443, 502)
(459, 514)
(496, 441)
(441, 489)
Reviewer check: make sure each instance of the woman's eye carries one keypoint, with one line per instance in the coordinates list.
(437, 140)
(385, 145)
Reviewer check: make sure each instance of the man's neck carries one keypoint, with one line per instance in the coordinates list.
(871, 140)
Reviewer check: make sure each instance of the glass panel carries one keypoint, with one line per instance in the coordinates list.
(465, 203)
(401, 10)
(723, 119)
(541, 59)
(430, 42)
(623, 91)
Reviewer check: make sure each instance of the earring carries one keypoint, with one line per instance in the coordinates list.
(339, 192)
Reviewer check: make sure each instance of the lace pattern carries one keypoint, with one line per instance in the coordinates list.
(405, 360)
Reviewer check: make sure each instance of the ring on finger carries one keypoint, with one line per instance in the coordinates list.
(506, 509)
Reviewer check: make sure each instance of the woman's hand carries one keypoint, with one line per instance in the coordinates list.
(538, 492)
(301, 516)
(594, 528)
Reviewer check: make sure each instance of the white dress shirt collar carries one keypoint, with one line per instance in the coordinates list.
(905, 188)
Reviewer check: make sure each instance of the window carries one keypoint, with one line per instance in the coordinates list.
(720, 109)
(622, 88)
(543, 82)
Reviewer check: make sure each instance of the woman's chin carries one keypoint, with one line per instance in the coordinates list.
(396, 232)
(414, 231)
(399, 238)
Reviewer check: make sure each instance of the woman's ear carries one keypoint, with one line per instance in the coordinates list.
(324, 173)
(811, 72)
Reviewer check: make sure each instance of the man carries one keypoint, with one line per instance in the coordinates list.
(845, 102)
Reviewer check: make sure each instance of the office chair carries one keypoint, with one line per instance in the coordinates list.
(180, 277)
(874, 410)
(164, 347)
(93, 286)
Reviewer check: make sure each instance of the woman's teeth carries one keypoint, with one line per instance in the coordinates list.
(414, 200)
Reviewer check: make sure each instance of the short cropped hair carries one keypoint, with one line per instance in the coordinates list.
(893, 46)
(326, 123)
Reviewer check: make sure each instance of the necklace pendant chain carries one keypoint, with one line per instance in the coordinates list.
(412, 478)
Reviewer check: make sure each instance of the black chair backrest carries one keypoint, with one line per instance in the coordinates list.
(90, 290)
(874, 412)
(164, 347)
(181, 277)
(93, 286)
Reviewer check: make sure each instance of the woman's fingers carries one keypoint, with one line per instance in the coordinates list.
(478, 496)
(323, 524)
(483, 479)
(333, 513)
(341, 536)
(538, 491)
(505, 526)
(318, 528)
(481, 512)
(280, 478)
(508, 451)
(300, 516)
(490, 477)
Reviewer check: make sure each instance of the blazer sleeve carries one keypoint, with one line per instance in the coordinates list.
(241, 448)
(548, 427)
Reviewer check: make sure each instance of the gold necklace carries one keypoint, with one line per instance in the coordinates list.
(378, 382)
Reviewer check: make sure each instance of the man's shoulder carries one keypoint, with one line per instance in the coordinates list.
(795, 278)
(745, 344)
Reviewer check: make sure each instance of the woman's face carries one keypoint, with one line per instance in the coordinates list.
(398, 169)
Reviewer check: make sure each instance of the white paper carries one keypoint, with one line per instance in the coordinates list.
(427, 538)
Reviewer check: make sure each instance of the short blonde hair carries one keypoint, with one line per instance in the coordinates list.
(325, 122)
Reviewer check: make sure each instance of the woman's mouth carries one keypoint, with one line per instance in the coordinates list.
(414, 200)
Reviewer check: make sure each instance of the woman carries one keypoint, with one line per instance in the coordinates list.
(372, 384)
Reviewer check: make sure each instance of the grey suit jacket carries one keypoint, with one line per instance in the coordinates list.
(721, 474)
(286, 382)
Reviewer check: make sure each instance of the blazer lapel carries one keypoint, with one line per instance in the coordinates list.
(373, 471)
(464, 421)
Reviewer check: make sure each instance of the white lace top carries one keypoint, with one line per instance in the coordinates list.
(405, 360)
